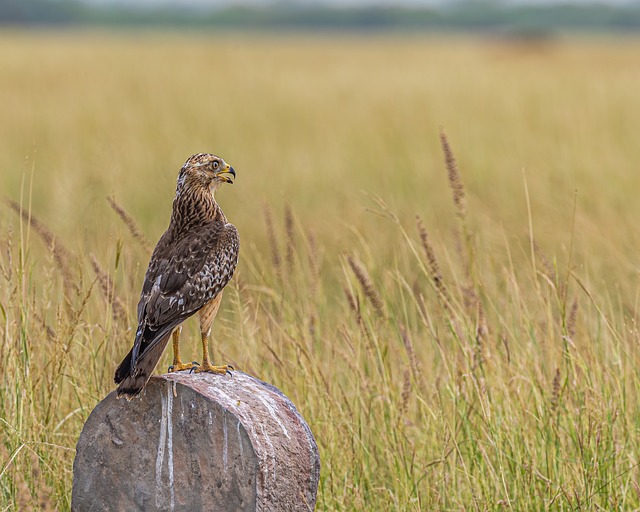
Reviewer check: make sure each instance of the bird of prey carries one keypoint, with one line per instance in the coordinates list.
(192, 263)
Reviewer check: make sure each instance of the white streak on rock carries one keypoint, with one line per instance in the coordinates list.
(170, 445)
(160, 456)
(227, 398)
(225, 448)
(245, 416)
(272, 411)
(240, 443)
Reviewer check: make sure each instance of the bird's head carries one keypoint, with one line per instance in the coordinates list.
(206, 170)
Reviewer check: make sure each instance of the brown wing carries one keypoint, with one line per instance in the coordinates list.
(183, 276)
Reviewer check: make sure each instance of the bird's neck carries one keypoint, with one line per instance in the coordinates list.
(194, 207)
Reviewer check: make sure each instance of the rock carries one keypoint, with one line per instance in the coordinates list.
(197, 442)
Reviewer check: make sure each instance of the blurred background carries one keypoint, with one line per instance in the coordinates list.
(318, 102)
(523, 17)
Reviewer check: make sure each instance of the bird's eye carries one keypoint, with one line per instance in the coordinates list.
(216, 165)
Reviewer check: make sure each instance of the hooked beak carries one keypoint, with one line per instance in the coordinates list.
(225, 174)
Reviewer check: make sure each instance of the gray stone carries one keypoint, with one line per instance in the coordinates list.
(197, 442)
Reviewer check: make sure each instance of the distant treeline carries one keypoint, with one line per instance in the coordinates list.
(489, 16)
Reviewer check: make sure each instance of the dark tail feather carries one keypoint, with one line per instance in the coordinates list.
(133, 380)
(123, 369)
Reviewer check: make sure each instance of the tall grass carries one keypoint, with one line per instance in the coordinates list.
(462, 336)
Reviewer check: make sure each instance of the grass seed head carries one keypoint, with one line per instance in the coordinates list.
(367, 285)
(61, 254)
(131, 224)
(455, 180)
(291, 238)
(118, 308)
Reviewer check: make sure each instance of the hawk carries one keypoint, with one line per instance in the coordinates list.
(194, 260)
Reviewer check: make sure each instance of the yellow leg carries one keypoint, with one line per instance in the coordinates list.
(206, 365)
(178, 365)
(206, 316)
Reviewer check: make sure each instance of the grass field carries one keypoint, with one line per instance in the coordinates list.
(485, 357)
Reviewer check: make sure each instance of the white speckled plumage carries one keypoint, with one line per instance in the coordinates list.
(190, 266)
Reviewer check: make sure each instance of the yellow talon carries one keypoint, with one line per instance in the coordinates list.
(206, 367)
(177, 367)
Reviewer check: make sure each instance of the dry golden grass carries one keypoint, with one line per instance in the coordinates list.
(484, 360)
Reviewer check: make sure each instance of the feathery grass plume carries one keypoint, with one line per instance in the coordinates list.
(291, 239)
(118, 309)
(130, 223)
(367, 286)
(61, 254)
(482, 329)
(51, 333)
(455, 181)
(432, 261)
(463, 240)
(481, 334)
(405, 395)
(470, 297)
(505, 343)
(273, 239)
(636, 488)
(411, 354)
(548, 267)
(354, 306)
(478, 354)
(572, 319)
(311, 322)
(555, 393)
(314, 270)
